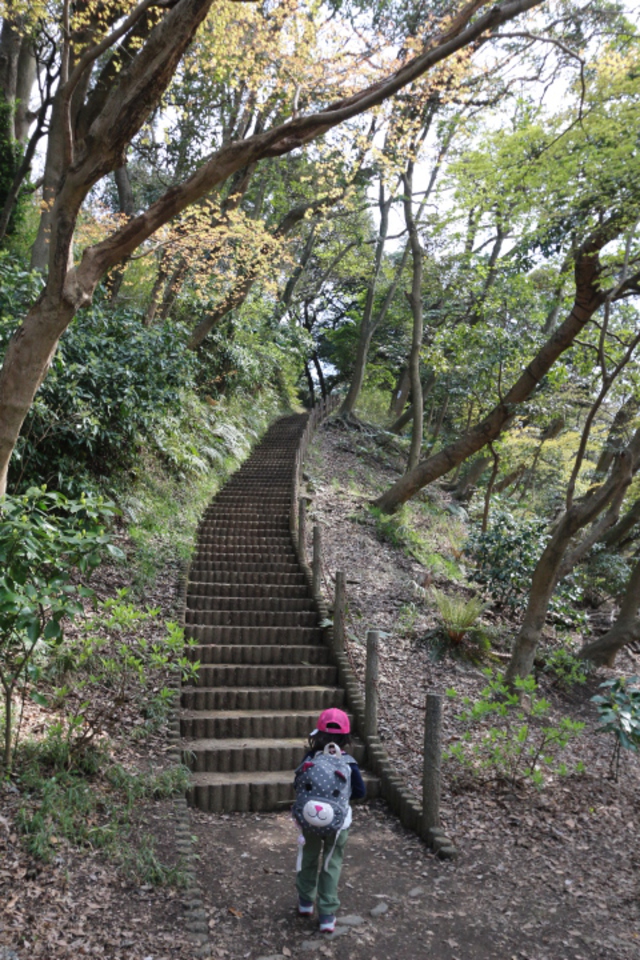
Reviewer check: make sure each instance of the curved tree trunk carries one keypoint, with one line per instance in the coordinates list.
(470, 477)
(400, 393)
(588, 299)
(624, 416)
(145, 51)
(618, 533)
(625, 630)
(547, 571)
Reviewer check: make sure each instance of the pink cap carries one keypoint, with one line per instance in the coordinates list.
(333, 721)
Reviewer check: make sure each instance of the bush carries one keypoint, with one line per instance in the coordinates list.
(565, 667)
(43, 537)
(619, 711)
(504, 743)
(110, 665)
(457, 614)
(506, 556)
(110, 381)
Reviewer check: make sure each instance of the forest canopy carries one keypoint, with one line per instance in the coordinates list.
(431, 207)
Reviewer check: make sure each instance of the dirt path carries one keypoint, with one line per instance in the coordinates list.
(469, 910)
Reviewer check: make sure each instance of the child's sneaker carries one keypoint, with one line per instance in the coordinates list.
(327, 923)
(305, 907)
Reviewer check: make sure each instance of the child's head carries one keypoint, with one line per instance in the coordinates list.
(333, 727)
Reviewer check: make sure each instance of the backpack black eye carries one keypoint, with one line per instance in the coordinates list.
(308, 786)
(336, 793)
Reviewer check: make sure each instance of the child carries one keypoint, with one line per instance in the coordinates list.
(326, 852)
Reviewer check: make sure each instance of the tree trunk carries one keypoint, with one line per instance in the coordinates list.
(510, 478)
(615, 441)
(398, 425)
(126, 205)
(547, 570)
(127, 88)
(587, 300)
(617, 534)
(400, 393)
(17, 77)
(470, 477)
(625, 630)
(368, 324)
(29, 354)
(417, 328)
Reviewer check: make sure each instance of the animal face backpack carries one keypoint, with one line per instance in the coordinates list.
(323, 789)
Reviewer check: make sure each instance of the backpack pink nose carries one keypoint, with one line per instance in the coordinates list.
(319, 808)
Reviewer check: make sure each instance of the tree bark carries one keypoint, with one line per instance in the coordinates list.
(94, 136)
(625, 630)
(548, 568)
(400, 394)
(415, 299)
(368, 324)
(587, 301)
(624, 416)
(470, 477)
(618, 533)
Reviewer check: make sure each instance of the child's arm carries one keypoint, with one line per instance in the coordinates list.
(358, 788)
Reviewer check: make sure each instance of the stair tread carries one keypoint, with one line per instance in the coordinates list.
(232, 714)
(231, 743)
(251, 776)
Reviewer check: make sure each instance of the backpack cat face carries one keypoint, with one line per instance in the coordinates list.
(323, 789)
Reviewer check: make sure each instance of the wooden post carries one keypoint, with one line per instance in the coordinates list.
(302, 529)
(338, 613)
(432, 762)
(317, 560)
(371, 685)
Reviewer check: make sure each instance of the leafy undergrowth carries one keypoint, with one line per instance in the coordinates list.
(87, 820)
(531, 780)
(88, 860)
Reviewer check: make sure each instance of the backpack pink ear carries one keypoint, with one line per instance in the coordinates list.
(339, 773)
(307, 766)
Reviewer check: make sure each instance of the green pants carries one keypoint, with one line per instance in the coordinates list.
(309, 882)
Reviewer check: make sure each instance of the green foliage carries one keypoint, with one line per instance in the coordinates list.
(619, 712)
(111, 665)
(506, 556)
(201, 444)
(111, 381)
(88, 802)
(604, 575)
(43, 537)
(505, 742)
(565, 667)
(10, 156)
(457, 614)
(397, 530)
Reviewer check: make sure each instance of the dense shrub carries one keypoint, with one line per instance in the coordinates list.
(506, 556)
(110, 381)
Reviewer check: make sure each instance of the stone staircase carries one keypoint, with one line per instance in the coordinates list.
(266, 672)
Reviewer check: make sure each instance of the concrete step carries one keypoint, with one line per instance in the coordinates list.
(259, 756)
(265, 675)
(240, 566)
(250, 792)
(207, 571)
(269, 591)
(259, 653)
(285, 604)
(250, 618)
(311, 699)
(300, 636)
(260, 724)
